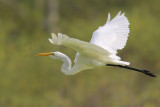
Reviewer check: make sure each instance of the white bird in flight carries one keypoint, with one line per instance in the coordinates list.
(101, 51)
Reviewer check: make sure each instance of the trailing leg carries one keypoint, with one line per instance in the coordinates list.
(135, 69)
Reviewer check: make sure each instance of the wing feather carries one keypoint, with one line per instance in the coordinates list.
(81, 47)
(113, 35)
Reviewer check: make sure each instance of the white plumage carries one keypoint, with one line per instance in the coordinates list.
(101, 50)
(113, 35)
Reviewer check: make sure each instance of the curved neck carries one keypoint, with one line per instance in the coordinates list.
(66, 66)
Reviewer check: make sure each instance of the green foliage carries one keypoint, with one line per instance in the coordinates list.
(30, 81)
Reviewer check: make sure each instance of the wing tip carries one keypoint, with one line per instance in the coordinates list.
(109, 17)
(50, 40)
(119, 13)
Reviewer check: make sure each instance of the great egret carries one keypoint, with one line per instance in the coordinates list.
(101, 51)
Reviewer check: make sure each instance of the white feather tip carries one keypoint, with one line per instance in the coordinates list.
(109, 17)
(119, 13)
(50, 40)
(54, 38)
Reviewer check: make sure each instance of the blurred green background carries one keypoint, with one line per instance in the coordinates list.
(30, 81)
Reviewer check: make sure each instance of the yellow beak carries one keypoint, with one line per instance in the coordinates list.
(45, 54)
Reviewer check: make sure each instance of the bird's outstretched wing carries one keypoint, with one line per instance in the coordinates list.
(113, 35)
(80, 46)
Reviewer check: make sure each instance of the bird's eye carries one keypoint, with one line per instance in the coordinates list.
(51, 53)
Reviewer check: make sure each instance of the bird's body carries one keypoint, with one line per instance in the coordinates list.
(89, 56)
(101, 50)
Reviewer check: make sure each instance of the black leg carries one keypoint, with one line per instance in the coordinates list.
(135, 69)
